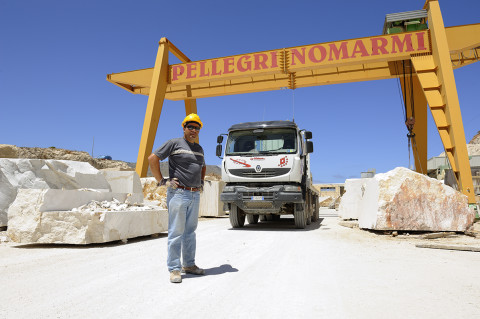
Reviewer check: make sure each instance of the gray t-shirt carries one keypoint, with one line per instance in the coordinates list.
(185, 161)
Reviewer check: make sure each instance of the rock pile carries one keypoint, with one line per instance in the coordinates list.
(12, 151)
(111, 206)
(475, 139)
(154, 194)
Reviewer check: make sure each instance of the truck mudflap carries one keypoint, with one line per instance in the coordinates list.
(261, 199)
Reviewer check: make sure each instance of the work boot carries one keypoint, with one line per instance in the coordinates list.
(175, 276)
(193, 270)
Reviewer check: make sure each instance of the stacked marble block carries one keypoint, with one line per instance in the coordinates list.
(402, 199)
(210, 204)
(41, 197)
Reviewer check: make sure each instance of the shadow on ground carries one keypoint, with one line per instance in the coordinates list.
(130, 241)
(283, 224)
(219, 270)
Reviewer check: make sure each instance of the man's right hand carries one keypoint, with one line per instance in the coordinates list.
(172, 183)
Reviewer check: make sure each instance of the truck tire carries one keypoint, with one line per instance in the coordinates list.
(263, 218)
(315, 209)
(299, 216)
(308, 208)
(237, 217)
(252, 219)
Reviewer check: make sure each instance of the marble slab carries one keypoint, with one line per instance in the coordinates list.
(51, 216)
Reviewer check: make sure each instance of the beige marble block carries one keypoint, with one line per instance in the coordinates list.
(350, 201)
(210, 203)
(123, 181)
(402, 199)
(46, 216)
(45, 174)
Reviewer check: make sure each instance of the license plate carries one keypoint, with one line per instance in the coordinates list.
(257, 197)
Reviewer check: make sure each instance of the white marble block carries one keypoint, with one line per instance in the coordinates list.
(402, 199)
(123, 181)
(210, 203)
(349, 203)
(45, 174)
(46, 216)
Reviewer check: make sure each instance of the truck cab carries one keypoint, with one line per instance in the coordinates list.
(267, 172)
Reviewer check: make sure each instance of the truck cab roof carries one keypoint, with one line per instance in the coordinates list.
(263, 124)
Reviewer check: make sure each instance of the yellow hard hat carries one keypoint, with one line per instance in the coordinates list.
(192, 117)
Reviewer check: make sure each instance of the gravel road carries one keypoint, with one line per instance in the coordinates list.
(268, 270)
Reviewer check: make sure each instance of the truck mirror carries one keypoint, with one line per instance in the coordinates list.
(219, 150)
(308, 135)
(309, 146)
(219, 139)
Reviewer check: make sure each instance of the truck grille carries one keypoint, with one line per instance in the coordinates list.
(267, 172)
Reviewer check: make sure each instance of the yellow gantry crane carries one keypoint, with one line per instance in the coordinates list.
(415, 47)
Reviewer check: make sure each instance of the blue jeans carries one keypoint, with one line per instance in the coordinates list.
(183, 208)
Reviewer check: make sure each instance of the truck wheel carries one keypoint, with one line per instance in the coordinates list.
(252, 219)
(308, 208)
(315, 209)
(237, 217)
(299, 216)
(263, 218)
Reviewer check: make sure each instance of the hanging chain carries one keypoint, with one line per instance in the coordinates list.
(409, 162)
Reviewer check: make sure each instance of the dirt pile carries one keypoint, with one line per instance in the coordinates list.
(475, 139)
(12, 151)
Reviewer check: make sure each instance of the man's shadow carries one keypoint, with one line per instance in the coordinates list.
(215, 271)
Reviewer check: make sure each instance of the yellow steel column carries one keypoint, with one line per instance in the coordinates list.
(420, 130)
(448, 90)
(419, 144)
(158, 87)
(191, 107)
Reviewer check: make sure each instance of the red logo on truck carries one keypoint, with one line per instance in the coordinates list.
(283, 161)
(242, 162)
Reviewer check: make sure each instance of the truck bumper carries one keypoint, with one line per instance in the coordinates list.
(260, 199)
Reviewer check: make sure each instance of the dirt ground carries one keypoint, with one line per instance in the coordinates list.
(267, 270)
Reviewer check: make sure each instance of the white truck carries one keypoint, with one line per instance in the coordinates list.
(266, 167)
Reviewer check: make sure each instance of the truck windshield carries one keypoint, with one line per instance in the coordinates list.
(263, 141)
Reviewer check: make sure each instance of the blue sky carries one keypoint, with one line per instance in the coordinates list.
(55, 55)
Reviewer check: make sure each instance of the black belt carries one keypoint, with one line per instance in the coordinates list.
(193, 189)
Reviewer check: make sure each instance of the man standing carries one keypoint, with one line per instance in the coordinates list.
(186, 167)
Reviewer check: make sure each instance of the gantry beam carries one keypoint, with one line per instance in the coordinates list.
(464, 43)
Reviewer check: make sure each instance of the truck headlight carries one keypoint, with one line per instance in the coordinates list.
(229, 189)
(292, 188)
